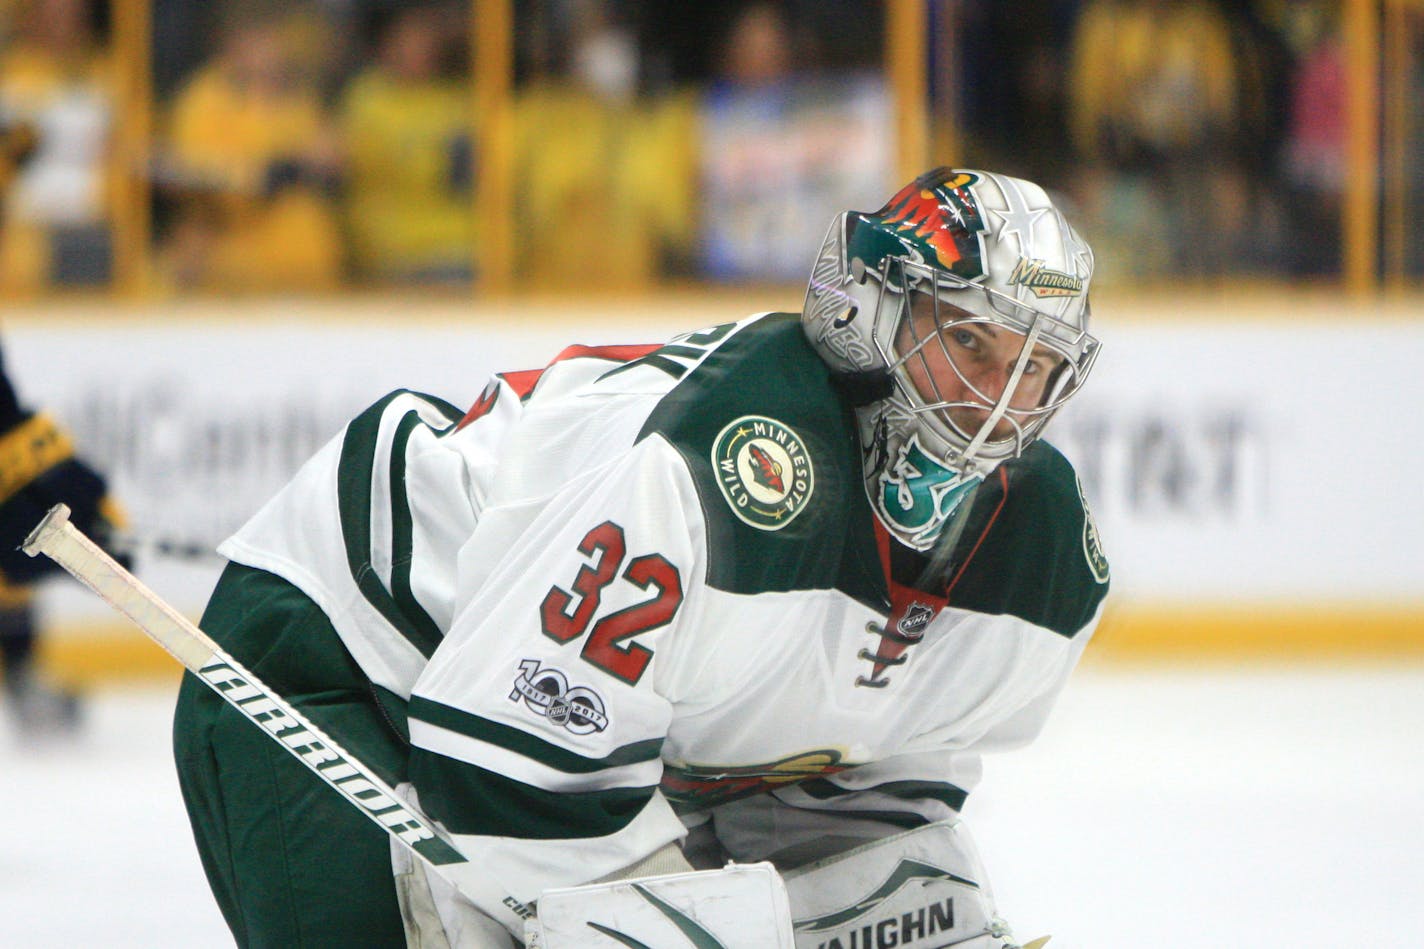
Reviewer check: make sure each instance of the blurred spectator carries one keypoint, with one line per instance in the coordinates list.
(603, 56)
(604, 191)
(1155, 102)
(777, 138)
(1314, 161)
(682, 44)
(56, 107)
(1008, 88)
(757, 53)
(1153, 79)
(251, 164)
(406, 121)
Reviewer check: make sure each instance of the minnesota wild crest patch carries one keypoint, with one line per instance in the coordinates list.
(763, 470)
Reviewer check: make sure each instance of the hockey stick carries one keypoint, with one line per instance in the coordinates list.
(67, 546)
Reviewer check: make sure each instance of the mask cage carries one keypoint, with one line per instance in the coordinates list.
(931, 306)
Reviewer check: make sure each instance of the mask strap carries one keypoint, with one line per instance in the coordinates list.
(859, 389)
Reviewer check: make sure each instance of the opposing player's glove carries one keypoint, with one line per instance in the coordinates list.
(920, 889)
(37, 471)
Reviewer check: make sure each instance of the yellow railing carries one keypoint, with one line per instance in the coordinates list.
(493, 44)
(1400, 140)
(1361, 211)
(133, 147)
(907, 66)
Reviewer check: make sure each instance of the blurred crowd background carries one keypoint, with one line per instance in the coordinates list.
(254, 146)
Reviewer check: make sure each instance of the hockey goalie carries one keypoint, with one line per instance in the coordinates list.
(690, 644)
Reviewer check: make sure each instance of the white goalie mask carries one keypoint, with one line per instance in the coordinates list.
(956, 318)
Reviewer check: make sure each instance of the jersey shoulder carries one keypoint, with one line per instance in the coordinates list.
(773, 453)
(1030, 547)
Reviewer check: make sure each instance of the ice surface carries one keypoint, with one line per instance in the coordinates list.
(1191, 809)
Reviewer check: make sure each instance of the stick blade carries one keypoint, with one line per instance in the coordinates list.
(52, 523)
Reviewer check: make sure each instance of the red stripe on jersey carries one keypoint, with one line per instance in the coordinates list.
(523, 381)
(615, 353)
(903, 599)
(482, 405)
(1003, 499)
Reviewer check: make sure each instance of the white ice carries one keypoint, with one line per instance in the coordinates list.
(1189, 809)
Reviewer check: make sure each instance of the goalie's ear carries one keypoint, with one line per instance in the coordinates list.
(920, 889)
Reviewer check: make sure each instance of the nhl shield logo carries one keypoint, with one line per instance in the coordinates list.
(917, 617)
(764, 471)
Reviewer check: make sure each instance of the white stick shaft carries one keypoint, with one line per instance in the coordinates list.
(67, 546)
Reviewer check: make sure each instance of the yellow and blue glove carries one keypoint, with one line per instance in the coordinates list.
(38, 469)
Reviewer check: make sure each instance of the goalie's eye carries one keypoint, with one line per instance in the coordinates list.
(962, 337)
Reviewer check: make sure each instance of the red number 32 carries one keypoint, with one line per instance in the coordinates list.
(606, 548)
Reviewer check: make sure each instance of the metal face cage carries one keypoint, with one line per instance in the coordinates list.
(938, 337)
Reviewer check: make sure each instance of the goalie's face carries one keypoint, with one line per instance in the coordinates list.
(966, 365)
(985, 382)
(970, 290)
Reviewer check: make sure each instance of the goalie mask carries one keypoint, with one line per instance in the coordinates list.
(956, 318)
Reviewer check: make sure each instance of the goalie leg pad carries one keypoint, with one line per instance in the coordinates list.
(923, 888)
(742, 906)
(435, 915)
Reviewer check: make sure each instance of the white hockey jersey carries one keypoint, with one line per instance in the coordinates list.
(642, 589)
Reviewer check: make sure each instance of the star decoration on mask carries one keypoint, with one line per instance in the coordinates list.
(1019, 218)
(1074, 247)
